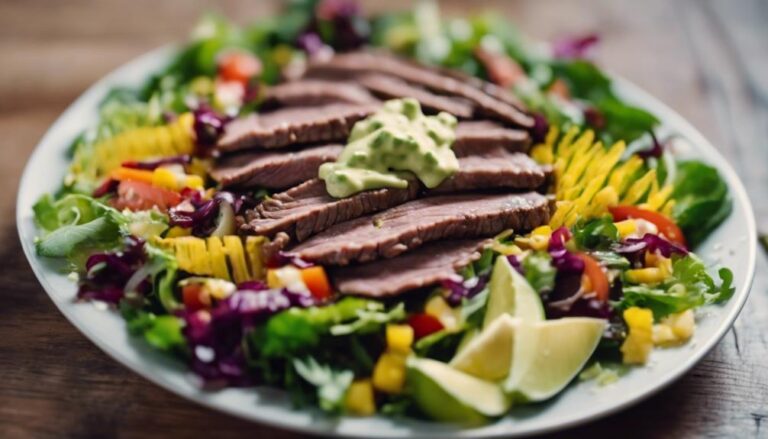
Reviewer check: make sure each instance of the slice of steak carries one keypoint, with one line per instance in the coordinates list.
(292, 126)
(473, 137)
(308, 209)
(495, 169)
(390, 87)
(273, 169)
(310, 92)
(358, 63)
(420, 268)
(408, 226)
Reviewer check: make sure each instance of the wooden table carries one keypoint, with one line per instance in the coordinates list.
(707, 59)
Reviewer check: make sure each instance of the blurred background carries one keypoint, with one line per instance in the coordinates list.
(707, 59)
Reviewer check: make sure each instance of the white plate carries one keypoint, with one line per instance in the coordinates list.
(580, 403)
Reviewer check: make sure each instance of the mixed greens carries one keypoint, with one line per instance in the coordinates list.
(612, 276)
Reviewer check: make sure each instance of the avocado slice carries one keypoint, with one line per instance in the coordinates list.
(448, 395)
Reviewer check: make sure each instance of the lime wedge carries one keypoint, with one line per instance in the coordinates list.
(446, 394)
(511, 294)
(547, 355)
(489, 354)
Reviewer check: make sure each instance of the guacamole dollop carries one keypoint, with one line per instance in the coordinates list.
(384, 149)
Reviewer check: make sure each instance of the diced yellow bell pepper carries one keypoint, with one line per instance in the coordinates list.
(165, 178)
(639, 342)
(399, 338)
(649, 275)
(674, 329)
(389, 373)
(626, 227)
(359, 399)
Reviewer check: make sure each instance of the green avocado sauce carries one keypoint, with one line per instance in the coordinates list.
(383, 148)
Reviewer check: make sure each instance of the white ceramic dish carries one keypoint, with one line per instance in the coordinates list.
(580, 403)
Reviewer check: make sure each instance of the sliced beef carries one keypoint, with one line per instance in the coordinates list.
(307, 209)
(494, 169)
(359, 63)
(408, 226)
(273, 169)
(390, 87)
(473, 137)
(422, 267)
(291, 126)
(316, 92)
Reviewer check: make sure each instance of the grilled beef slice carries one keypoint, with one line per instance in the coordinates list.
(408, 226)
(273, 169)
(308, 209)
(473, 137)
(316, 92)
(390, 87)
(359, 63)
(291, 126)
(422, 267)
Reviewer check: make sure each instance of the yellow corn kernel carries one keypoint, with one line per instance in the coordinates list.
(359, 399)
(626, 227)
(437, 307)
(176, 232)
(399, 338)
(389, 373)
(650, 275)
(639, 342)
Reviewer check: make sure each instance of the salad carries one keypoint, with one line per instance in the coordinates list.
(398, 214)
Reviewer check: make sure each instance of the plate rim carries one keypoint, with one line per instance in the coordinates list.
(622, 86)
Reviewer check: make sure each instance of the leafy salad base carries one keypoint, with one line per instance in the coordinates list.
(733, 245)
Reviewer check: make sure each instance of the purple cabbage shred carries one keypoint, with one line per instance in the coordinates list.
(151, 165)
(656, 150)
(562, 259)
(540, 128)
(215, 336)
(579, 47)
(208, 126)
(634, 248)
(460, 289)
(107, 273)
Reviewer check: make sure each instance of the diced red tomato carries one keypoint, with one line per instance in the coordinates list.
(238, 67)
(596, 276)
(195, 297)
(424, 324)
(666, 226)
(139, 195)
(317, 282)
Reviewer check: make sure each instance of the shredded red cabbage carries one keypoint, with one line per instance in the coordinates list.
(656, 150)
(151, 165)
(109, 187)
(562, 259)
(575, 47)
(514, 261)
(312, 44)
(349, 28)
(208, 126)
(460, 289)
(635, 248)
(594, 117)
(108, 272)
(540, 128)
(215, 336)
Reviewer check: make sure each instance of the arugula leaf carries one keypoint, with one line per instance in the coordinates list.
(597, 233)
(539, 272)
(331, 384)
(701, 200)
(370, 319)
(689, 287)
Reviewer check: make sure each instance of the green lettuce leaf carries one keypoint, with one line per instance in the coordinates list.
(539, 271)
(594, 234)
(701, 200)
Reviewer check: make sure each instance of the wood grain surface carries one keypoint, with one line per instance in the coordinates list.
(708, 59)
